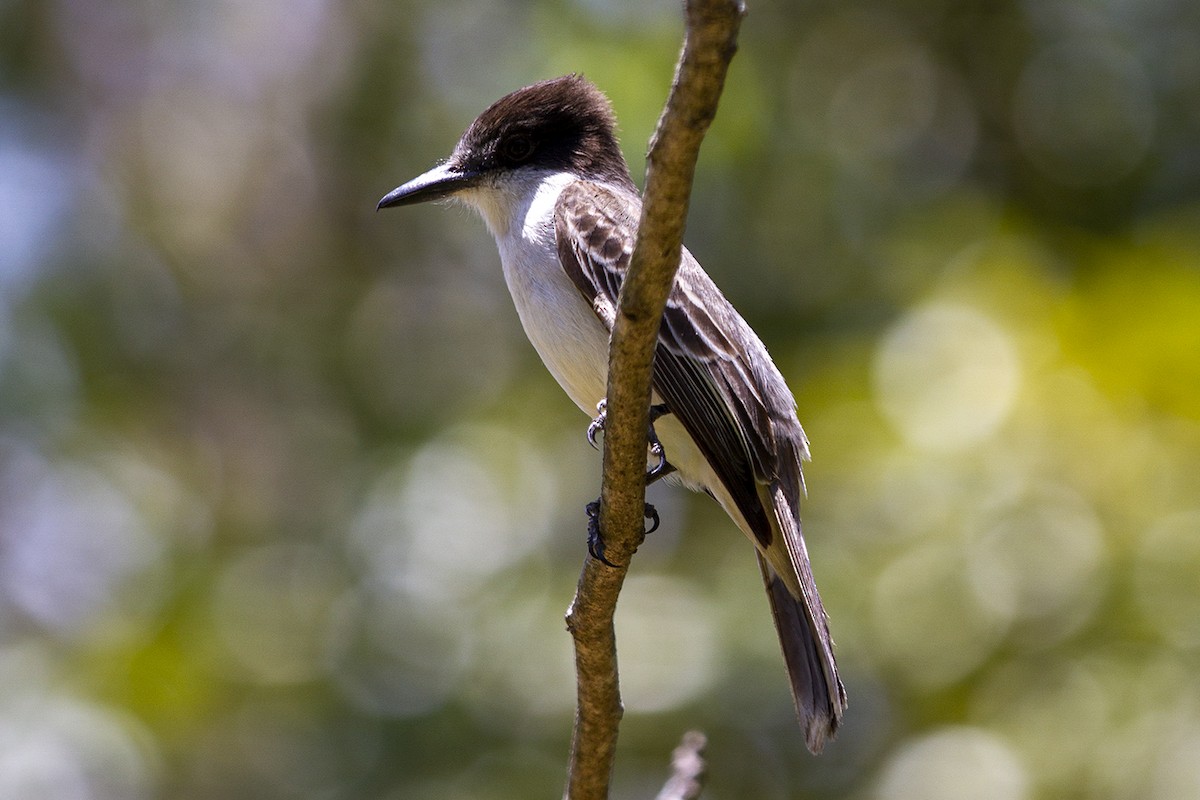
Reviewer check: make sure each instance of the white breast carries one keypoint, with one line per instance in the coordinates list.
(563, 328)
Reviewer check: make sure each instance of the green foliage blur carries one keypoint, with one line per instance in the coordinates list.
(289, 508)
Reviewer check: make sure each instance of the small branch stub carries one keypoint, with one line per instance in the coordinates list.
(687, 769)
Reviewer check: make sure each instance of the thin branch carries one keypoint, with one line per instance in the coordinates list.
(709, 45)
(687, 769)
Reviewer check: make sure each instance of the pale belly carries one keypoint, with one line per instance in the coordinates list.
(571, 341)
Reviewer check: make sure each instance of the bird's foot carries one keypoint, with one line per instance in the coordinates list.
(597, 423)
(596, 541)
(662, 468)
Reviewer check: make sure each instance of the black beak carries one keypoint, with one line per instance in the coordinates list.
(441, 181)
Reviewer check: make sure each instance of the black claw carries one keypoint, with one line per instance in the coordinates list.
(659, 472)
(662, 468)
(651, 513)
(595, 541)
(597, 423)
(656, 450)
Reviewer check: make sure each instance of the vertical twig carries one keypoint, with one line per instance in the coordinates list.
(709, 45)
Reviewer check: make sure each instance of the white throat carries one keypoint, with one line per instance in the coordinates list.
(520, 202)
(573, 344)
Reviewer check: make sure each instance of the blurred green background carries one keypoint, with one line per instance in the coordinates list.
(289, 508)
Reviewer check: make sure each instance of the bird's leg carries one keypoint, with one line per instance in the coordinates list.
(659, 470)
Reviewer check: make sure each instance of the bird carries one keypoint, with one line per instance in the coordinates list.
(543, 167)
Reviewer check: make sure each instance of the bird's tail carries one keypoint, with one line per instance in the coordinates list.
(800, 617)
(817, 690)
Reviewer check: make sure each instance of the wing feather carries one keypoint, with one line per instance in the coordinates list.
(699, 371)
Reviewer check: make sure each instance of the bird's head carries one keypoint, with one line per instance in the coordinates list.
(562, 125)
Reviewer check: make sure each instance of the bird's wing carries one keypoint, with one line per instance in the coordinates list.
(730, 399)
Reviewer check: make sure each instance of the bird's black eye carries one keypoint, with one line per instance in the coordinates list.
(516, 148)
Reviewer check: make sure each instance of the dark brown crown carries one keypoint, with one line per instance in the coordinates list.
(563, 123)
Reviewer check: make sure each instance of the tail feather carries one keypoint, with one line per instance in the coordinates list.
(817, 691)
(799, 615)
